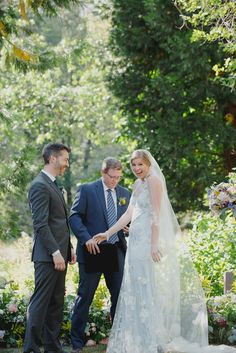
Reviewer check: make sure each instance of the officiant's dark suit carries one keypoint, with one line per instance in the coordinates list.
(51, 252)
(89, 217)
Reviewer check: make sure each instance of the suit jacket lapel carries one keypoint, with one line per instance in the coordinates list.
(101, 198)
(55, 188)
(119, 207)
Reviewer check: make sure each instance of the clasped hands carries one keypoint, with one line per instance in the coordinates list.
(92, 244)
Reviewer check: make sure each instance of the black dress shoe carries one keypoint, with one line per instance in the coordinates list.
(55, 351)
(76, 350)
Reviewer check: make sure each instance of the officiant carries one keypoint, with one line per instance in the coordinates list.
(97, 206)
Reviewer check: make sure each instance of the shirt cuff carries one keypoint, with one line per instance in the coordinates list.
(56, 252)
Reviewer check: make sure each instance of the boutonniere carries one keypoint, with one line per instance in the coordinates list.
(122, 201)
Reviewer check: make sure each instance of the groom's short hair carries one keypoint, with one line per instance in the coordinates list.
(53, 149)
(111, 163)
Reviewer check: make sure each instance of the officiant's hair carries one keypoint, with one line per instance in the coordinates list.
(143, 154)
(53, 149)
(110, 163)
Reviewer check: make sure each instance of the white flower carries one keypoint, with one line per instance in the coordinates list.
(2, 334)
(223, 196)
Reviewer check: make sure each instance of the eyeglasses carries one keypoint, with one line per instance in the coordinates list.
(113, 177)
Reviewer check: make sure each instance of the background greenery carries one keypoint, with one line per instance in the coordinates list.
(106, 77)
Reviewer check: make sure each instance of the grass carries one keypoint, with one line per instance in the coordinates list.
(96, 349)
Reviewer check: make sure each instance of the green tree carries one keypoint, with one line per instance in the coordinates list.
(69, 103)
(19, 19)
(214, 21)
(170, 101)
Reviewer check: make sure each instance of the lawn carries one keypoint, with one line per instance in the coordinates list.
(97, 349)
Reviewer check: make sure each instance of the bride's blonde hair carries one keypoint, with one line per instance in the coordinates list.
(143, 154)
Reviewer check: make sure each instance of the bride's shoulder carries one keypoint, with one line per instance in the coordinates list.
(135, 184)
(153, 180)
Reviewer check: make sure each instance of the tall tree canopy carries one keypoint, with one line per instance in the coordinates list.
(214, 21)
(169, 98)
(19, 20)
(68, 102)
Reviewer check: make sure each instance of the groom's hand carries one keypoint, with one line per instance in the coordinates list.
(92, 246)
(59, 262)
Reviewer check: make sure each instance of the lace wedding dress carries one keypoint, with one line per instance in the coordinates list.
(161, 307)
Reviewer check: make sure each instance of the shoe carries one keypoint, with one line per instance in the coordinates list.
(76, 350)
(55, 352)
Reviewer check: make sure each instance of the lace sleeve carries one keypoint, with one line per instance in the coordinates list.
(156, 193)
(123, 221)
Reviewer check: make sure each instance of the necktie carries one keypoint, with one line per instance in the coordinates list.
(59, 187)
(111, 215)
(55, 182)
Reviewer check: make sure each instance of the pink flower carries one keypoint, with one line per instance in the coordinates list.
(12, 308)
(222, 322)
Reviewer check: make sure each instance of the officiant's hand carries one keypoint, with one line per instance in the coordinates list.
(92, 246)
(73, 257)
(99, 238)
(126, 230)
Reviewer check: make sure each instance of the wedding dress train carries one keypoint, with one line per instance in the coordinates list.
(161, 307)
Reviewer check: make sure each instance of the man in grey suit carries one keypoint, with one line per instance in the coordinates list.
(52, 250)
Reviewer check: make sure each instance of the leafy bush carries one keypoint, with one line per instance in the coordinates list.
(13, 315)
(222, 319)
(212, 245)
(13, 307)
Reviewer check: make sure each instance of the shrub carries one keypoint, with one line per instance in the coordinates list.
(212, 245)
(222, 319)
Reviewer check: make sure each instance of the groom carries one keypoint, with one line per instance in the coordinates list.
(52, 250)
(90, 216)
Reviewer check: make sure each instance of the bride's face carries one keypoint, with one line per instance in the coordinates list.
(140, 168)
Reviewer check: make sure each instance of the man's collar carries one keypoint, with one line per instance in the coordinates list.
(49, 175)
(106, 187)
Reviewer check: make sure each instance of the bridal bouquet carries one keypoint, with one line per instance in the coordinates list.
(222, 198)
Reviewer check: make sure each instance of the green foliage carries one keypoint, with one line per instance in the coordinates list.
(213, 21)
(221, 317)
(13, 315)
(19, 21)
(212, 246)
(169, 99)
(69, 103)
(13, 307)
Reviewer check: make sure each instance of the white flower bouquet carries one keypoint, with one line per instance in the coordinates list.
(222, 197)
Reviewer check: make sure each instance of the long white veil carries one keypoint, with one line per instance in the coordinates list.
(182, 296)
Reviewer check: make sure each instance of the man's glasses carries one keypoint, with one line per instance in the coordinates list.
(113, 177)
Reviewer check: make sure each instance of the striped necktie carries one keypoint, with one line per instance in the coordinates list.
(111, 215)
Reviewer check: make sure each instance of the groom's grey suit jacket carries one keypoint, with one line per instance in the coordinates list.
(49, 214)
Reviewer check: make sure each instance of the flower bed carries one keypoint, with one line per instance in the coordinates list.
(222, 319)
(221, 313)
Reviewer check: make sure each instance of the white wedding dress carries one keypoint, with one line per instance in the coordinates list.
(161, 307)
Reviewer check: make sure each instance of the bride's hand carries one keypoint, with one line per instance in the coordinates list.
(156, 253)
(100, 237)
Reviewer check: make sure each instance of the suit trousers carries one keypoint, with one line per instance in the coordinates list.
(88, 283)
(45, 310)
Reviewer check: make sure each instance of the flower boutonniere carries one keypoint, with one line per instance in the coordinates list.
(122, 201)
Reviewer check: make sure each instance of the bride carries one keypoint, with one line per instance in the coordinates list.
(161, 307)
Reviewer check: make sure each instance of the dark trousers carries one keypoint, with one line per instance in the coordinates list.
(45, 310)
(88, 283)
